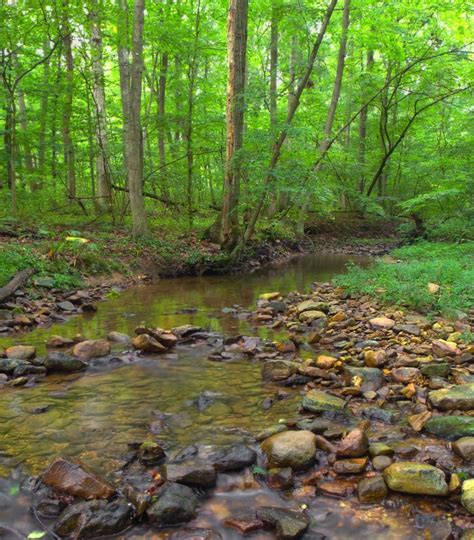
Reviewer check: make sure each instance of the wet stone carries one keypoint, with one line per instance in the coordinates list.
(196, 534)
(176, 503)
(233, 458)
(367, 378)
(62, 363)
(467, 495)
(94, 519)
(193, 473)
(381, 462)
(436, 369)
(295, 449)
(28, 369)
(74, 478)
(279, 370)
(93, 348)
(416, 478)
(21, 352)
(355, 444)
(317, 401)
(460, 397)
(150, 453)
(350, 466)
(289, 524)
(245, 524)
(280, 478)
(372, 490)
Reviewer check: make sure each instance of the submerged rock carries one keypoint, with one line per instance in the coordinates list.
(196, 534)
(175, 504)
(279, 370)
(289, 524)
(150, 453)
(416, 478)
(460, 397)
(74, 478)
(317, 401)
(355, 444)
(372, 490)
(94, 519)
(92, 348)
(233, 458)
(295, 449)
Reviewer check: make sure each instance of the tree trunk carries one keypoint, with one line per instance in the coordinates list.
(273, 105)
(363, 131)
(123, 54)
(25, 139)
(236, 61)
(43, 120)
(9, 138)
(162, 124)
(134, 132)
(104, 192)
(69, 155)
(336, 92)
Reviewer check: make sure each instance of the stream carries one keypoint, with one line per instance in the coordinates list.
(93, 415)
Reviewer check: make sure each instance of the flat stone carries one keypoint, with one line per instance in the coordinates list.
(195, 533)
(295, 449)
(355, 444)
(56, 342)
(317, 401)
(311, 315)
(192, 473)
(368, 379)
(278, 370)
(442, 348)
(66, 306)
(289, 524)
(405, 375)
(460, 397)
(372, 490)
(381, 462)
(93, 348)
(416, 478)
(75, 478)
(436, 369)
(311, 305)
(119, 337)
(380, 449)
(233, 458)
(245, 524)
(350, 466)
(93, 519)
(382, 323)
(176, 503)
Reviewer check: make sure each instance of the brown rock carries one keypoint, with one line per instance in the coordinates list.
(55, 342)
(74, 478)
(375, 358)
(92, 348)
(325, 362)
(338, 488)
(372, 490)
(21, 352)
(418, 421)
(245, 525)
(350, 466)
(146, 343)
(405, 375)
(355, 444)
(442, 348)
(382, 323)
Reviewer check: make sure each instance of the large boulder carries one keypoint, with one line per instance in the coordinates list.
(93, 519)
(295, 449)
(175, 504)
(416, 478)
(450, 427)
(75, 478)
(317, 401)
(91, 348)
(460, 397)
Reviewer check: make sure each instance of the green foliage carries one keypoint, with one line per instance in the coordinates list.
(405, 282)
(14, 258)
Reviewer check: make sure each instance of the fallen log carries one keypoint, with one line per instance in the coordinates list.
(15, 283)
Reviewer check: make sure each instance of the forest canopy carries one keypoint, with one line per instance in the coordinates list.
(234, 114)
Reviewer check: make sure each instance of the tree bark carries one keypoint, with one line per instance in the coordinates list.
(236, 65)
(134, 133)
(104, 193)
(162, 123)
(15, 283)
(43, 119)
(363, 131)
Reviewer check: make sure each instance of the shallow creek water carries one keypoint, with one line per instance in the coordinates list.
(94, 415)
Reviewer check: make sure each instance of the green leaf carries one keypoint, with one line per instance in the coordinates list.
(14, 490)
(36, 534)
(259, 470)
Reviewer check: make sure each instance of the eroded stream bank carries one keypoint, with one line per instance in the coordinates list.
(181, 398)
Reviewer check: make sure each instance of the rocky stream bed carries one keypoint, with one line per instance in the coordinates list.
(281, 415)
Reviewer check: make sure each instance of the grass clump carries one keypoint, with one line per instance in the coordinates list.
(404, 281)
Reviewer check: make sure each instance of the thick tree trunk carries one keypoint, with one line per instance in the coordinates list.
(69, 154)
(123, 54)
(134, 132)
(236, 60)
(273, 103)
(43, 120)
(162, 124)
(25, 139)
(104, 192)
(10, 147)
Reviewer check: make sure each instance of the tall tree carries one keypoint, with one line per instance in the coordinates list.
(237, 16)
(131, 87)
